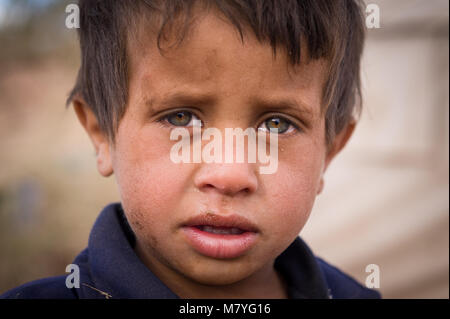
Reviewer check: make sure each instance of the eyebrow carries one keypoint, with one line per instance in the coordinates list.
(287, 104)
(180, 98)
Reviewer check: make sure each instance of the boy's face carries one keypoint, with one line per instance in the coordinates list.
(226, 84)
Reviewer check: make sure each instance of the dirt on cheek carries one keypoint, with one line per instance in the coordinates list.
(138, 225)
(141, 232)
(153, 241)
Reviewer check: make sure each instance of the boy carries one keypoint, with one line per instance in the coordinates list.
(216, 229)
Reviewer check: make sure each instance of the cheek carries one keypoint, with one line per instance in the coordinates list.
(148, 180)
(293, 188)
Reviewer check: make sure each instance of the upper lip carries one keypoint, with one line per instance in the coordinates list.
(216, 220)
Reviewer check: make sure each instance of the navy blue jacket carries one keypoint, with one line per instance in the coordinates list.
(109, 268)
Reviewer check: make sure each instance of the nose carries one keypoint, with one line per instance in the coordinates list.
(231, 179)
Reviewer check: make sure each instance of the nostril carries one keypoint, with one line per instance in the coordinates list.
(226, 189)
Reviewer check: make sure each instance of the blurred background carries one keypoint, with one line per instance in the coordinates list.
(386, 198)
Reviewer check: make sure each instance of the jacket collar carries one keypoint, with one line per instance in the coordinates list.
(115, 271)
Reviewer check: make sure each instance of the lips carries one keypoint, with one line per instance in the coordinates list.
(221, 230)
(219, 236)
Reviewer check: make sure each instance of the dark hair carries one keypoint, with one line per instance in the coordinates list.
(333, 30)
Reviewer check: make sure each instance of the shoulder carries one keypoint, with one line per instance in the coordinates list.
(342, 286)
(47, 288)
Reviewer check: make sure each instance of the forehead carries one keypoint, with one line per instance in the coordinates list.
(213, 59)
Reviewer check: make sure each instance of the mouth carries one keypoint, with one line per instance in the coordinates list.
(220, 237)
(220, 230)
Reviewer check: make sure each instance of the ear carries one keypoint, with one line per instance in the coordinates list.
(99, 139)
(336, 146)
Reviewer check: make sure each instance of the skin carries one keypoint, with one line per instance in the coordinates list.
(231, 81)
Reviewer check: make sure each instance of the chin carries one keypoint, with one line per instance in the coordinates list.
(219, 273)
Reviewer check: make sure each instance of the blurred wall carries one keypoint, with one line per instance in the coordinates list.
(385, 200)
(386, 197)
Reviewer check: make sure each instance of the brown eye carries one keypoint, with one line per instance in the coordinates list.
(180, 118)
(277, 125)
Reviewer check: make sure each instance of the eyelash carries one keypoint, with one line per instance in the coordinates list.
(164, 121)
(290, 124)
